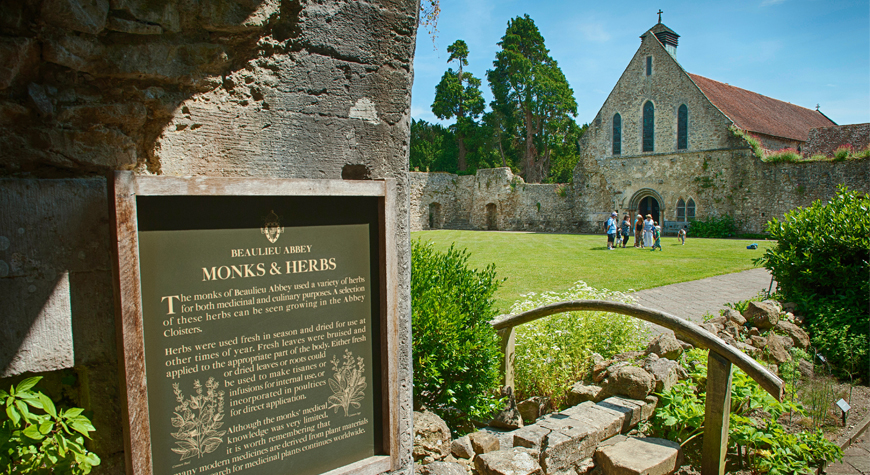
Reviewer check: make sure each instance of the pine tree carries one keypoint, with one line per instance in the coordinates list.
(458, 95)
(531, 97)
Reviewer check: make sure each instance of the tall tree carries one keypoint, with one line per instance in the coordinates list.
(458, 95)
(531, 96)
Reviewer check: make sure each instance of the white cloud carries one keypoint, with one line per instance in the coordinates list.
(594, 32)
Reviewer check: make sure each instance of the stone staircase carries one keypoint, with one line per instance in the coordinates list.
(580, 440)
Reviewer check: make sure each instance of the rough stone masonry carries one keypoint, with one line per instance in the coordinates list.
(265, 88)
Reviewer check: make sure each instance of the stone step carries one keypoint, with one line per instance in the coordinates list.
(622, 455)
(565, 442)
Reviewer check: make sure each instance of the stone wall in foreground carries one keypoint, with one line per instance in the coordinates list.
(264, 88)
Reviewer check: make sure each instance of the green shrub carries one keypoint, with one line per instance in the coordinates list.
(863, 154)
(52, 442)
(843, 152)
(456, 351)
(552, 353)
(751, 140)
(753, 422)
(788, 155)
(821, 262)
(714, 227)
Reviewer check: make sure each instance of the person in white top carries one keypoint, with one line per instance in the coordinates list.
(648, 225)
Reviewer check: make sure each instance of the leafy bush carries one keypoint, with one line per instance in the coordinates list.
(553, 352)
(714, 227)
(456, 350)
(52, 442)
(821, 262)
(769, 449)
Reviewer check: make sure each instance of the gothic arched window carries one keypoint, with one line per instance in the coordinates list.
(681, 210)
(690, 210)
(617, 134)
(649, 126)
(683, 128)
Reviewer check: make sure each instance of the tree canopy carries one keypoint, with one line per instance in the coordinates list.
(458, 95)
(530, 127)
(531, 96)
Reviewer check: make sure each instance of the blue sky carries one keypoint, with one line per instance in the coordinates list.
(805, 52)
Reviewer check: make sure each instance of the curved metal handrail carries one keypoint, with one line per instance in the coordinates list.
(686, 330)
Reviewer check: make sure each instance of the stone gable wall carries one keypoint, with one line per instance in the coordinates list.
(235, 88)
(717, 170)
(668, 87)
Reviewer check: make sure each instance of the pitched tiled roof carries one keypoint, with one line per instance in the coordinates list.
(756, 113)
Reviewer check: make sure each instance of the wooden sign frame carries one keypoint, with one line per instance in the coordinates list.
(124, 190)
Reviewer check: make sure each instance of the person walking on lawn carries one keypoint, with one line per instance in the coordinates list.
(657, 235)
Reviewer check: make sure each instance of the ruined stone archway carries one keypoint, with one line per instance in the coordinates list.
(492, 217)
(648, 201)
(435, 216)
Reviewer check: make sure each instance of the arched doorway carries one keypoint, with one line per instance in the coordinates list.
(648, 201)
(434, 216)
(491, 217)
(649, 205)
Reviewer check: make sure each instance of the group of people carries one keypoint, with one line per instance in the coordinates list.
(647, 233)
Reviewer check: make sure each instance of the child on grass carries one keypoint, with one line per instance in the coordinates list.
(657, 235)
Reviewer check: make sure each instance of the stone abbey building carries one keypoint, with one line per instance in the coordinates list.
(662, 144)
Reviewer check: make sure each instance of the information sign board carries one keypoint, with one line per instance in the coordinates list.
(255, 325)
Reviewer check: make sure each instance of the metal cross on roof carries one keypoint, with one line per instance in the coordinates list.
(660, 15)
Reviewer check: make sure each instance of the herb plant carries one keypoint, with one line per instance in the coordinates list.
(50, 442)
(554, 352)
(348, 383)
(198, 419)
(754, 427)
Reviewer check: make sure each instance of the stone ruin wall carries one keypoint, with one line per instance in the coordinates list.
(721, 182)
(824, 140)
(729, 182)
(463, 202)
(264, 88)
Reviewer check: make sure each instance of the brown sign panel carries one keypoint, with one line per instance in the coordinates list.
(256, 326)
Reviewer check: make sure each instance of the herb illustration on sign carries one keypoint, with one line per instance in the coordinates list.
(198, 419)
(348, 383)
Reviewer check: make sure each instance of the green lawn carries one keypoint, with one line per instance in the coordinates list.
(534, 262)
